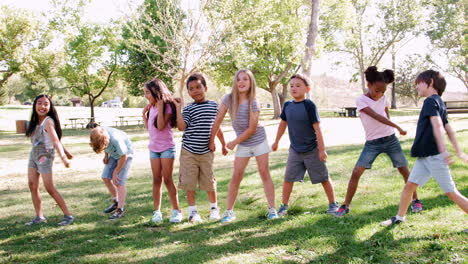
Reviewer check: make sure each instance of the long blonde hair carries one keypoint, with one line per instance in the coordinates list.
(234, 95)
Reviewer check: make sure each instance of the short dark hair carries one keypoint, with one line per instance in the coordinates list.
(438, 79)
(302, 77)
(196, 77)
(373, 75)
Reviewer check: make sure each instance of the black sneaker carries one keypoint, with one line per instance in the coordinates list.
(111, 208)
(66, 220)
(119, 213)
(392, 221)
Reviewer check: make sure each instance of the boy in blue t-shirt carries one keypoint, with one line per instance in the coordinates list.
(307, 150)
(429, 146)
(118, 152)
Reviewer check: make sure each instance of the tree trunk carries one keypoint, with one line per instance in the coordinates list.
(311, 39)
(393, 106)
(363, 81)
(276, 102)
(91, 104)
(282, 96)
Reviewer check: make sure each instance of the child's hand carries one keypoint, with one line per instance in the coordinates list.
(323, 155)
(178, 102)
(212, 146)
(115, 178)
(160, 104)
(463, 156)
(145, 110)
(446, 157)
(66, 163)
(231, 145)
(68, 154)
(105, 159)
(274, 147)
(225, 150)
(402, 132)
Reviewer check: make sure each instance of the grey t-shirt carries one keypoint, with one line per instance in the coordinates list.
(241, 123)
(300, 117)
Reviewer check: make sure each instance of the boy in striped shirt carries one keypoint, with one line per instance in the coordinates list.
(196, 159)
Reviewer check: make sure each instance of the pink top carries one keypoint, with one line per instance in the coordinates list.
(159, 140)
(374, 129)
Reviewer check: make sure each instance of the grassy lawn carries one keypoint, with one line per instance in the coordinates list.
(307, 235)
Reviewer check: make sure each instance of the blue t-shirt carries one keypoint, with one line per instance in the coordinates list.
(199, 118)
(425, 143)
(119, 143)
(300, 117)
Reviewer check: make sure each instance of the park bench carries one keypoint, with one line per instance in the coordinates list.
(347, 112)
(456, 107)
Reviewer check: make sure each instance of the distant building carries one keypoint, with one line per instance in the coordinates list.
(76, 101)
(116, 103)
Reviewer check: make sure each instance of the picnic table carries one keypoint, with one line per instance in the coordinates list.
(74, 122)
(126, 119)
(350, 111)
(456, 107)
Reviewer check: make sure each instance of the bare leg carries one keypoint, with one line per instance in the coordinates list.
(329, 191)
(167, 167)
(353, 184)
(110, 186)
(33, 182)
(404, 171)
(405, 198)
(212, 196)
(459, 199)
(157, 183)
(121, 195)
(287, 190)
(239, 168)
(49, 185)
(268, 187)
(191, 197)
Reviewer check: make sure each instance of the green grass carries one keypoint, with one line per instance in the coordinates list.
(307, 235)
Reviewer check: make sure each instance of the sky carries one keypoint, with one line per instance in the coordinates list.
(102, 11)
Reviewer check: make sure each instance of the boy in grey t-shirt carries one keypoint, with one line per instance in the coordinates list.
(307, 150)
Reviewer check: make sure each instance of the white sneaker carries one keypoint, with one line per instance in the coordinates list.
(195, 217)
(214, 213)
(157, 217)
(176, 216)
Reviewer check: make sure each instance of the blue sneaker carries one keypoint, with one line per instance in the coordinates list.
(332, 208)
(283, 210)
(342, 211)
(228, 217)
(272, 214)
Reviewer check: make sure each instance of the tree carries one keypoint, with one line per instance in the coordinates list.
(370, 29)
(17, 30)
(405, 76)
(91, 61)
(266, 39)
(448, 34)
(137, 67)
(191, 37)
(312, 33)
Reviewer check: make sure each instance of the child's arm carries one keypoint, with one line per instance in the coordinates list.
(145, 115)
(320, 142)
(216, 125)
(163, 118)
(106, 158)
(220, 136)
(253, 122)
(453, 140)
(438, 130)
(382, 119)
(120, 164)
(50, 128)
(281, 128)
(181, 125)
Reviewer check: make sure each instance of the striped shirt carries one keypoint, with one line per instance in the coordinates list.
(241, 123)
(199, 118)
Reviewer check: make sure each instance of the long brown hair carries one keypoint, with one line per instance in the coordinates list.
(159, 91)
(34, 121)
(234, 95)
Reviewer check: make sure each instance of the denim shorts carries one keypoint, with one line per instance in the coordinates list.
(123, 173)
(432, 166)
(166, 154)
(388, 145)
(41, 159)
(253, 151)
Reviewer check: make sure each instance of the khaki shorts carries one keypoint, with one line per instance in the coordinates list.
(196, 170)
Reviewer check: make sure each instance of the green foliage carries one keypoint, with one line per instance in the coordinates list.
(406, 75)
(138, 65)
(448, 33)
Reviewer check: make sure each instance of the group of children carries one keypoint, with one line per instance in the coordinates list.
(201, 121)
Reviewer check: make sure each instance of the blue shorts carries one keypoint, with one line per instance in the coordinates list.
(388, 145)
(110, 167)
(167, 154)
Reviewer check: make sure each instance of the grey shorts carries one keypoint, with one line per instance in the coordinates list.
(298, 163)
(41, 159)
(123, 173)
(432, 166)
